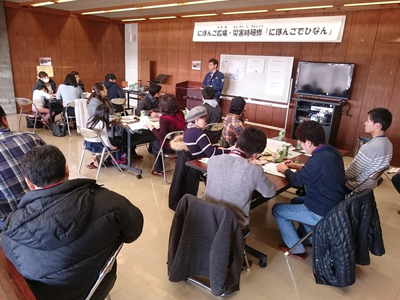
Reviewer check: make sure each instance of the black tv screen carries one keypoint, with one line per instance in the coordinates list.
(324, 79)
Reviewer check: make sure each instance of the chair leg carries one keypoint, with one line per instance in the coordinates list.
(100, 163)
(34, 125)
(163, 165)
(19, 120)
(69, 131)
(115, 162)
(246, 261)
(81, 162)
(299, 242)
(154, 164)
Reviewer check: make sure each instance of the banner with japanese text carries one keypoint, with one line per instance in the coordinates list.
(313, 29)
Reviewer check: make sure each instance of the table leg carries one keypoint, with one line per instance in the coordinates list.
(129, 159)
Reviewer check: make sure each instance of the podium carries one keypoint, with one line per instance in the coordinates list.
(188, 94)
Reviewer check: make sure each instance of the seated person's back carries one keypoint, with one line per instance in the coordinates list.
(373, 156)
(13, 147)
(69, 91)
(214, 113)
(194, 137)
(64, 230)
(232, 178)
(234, 121)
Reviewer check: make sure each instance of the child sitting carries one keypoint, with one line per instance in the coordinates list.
(100, 123)
(39, 94)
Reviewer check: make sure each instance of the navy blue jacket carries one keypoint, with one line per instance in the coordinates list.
(59, 238)
(215, 80)
(113, 90)
(324, 180)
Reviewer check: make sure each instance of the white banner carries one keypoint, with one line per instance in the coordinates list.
(314, 29)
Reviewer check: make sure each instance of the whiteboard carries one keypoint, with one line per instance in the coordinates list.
(258, 77)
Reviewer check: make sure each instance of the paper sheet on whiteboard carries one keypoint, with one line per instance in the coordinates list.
(233, 69)
(255, 65)
(276, 71)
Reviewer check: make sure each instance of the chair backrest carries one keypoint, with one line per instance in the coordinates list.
(88, 133)
(70, 104)
(373, 176)
(105, 270)
(360, 141)
(171, 136)
(118, 101)
(215, 127)
(23, 101)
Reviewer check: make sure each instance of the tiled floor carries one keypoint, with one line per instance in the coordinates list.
(142, 270)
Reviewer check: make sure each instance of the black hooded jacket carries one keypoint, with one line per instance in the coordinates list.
(113, 90)
(59, 238)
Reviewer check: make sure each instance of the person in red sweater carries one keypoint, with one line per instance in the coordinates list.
(171, 119)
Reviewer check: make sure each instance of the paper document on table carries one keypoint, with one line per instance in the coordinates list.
(204, 160)
(137, 126)
(293, 154)
(270, 168)
(275, 145)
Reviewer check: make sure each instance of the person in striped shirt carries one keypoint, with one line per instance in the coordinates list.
(372, 156)
(194, 137)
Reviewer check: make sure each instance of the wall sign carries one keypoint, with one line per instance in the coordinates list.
(313, 29)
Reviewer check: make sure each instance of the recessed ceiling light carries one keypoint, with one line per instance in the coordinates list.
(122, 9)
(201, 15)
(131, 20)
(160, 6)
(42, 3)
(94, 12)
(371, 3)
(301, 8)
(160, 18)
(201, 2)
(245, 12)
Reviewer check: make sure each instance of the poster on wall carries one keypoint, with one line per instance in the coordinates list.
(196, 65)
(233, 69)
(312, 29)
(45, 61)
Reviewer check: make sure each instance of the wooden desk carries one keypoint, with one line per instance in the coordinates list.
(12, 285)
(281, 183)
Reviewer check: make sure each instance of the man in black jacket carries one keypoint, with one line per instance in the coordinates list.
(149, 103)
(214, 113)
(113, 91)
(64, 230)
(324, 180)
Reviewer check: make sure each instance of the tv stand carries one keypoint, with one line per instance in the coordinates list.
(328, 112)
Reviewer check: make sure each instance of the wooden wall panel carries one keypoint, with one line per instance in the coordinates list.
(368, 41)
(184, 42)
(72, 43)
(162, 60)
(143, 54)
(107, 48)
(172, 58)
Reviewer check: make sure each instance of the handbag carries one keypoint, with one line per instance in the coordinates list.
(59, 128)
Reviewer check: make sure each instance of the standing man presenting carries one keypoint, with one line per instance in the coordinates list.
(214, 78)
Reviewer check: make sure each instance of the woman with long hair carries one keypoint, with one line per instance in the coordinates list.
(171, 119)
(99, 122)
(68, 92)
(99, 97)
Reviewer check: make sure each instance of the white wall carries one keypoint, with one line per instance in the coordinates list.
(131, 53)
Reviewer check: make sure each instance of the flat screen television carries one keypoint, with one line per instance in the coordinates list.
(331, 80)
